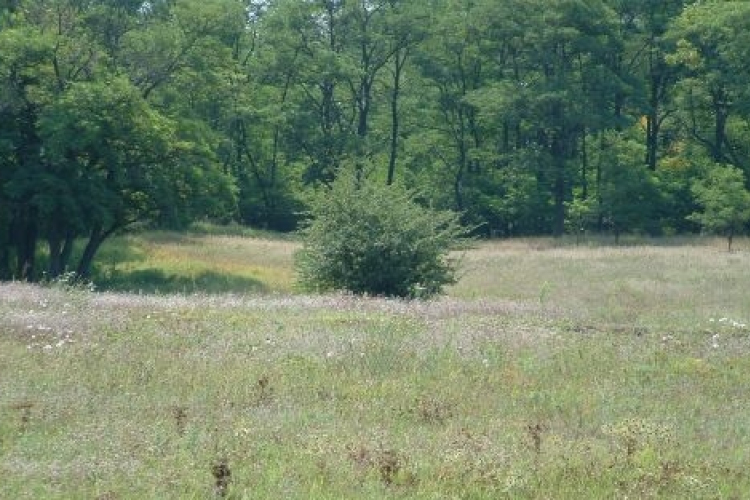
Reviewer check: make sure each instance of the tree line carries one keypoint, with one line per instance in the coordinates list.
(525, 116)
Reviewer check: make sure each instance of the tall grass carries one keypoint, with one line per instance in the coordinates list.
(589, 372)
(665, 286)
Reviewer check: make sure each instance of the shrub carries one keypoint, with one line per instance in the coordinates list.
(377, 240)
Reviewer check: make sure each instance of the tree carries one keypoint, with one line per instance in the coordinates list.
(627, 190)
(28, 82)
(256, 111)
(90, 141)
(120, 161)
(453, 66)
(519, 114)
(367, 238)
(643, 65)
(573, 88)
(516, 88)
(725, 201)
(405, 28)
(712, 47)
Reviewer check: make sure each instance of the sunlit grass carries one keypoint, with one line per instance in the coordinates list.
(589, 372)
(167, 262)
(667, 285)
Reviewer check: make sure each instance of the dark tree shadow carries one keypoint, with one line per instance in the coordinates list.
(112, 271)
(155, 281)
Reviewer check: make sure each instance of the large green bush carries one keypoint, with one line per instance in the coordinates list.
(373, 239)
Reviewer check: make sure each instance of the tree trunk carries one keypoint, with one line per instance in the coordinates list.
(26, 239)
(652, 140)
(363, 105)
(5, 273)
(558, 227)
(730, 238)
(60, 248)
(720, 125)
(398, 66)
(557, 151)
(584, 167)
(653, 121)
(5, 242)
(67, 250)
(458, 182)
(55, 245)
(96, 238)
(599, 199)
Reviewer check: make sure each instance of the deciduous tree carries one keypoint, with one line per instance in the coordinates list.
(725, 201)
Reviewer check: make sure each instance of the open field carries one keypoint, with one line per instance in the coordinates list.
(547, 372)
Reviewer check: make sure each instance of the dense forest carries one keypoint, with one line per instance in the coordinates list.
(525, 116)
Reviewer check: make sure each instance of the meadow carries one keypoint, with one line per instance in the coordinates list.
(549, 371)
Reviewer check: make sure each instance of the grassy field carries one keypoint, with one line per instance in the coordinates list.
(176, 263)
(548, 372)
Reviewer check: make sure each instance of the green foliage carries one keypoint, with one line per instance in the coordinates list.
(169, 112)
(89, 142)
(711, 51)
(725, 201)
(122, 162)
(628, 191)
(579, 214)
(376, 240)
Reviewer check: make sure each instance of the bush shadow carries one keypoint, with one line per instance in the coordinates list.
(156, 281)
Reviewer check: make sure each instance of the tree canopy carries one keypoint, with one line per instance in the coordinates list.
(521, 116)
